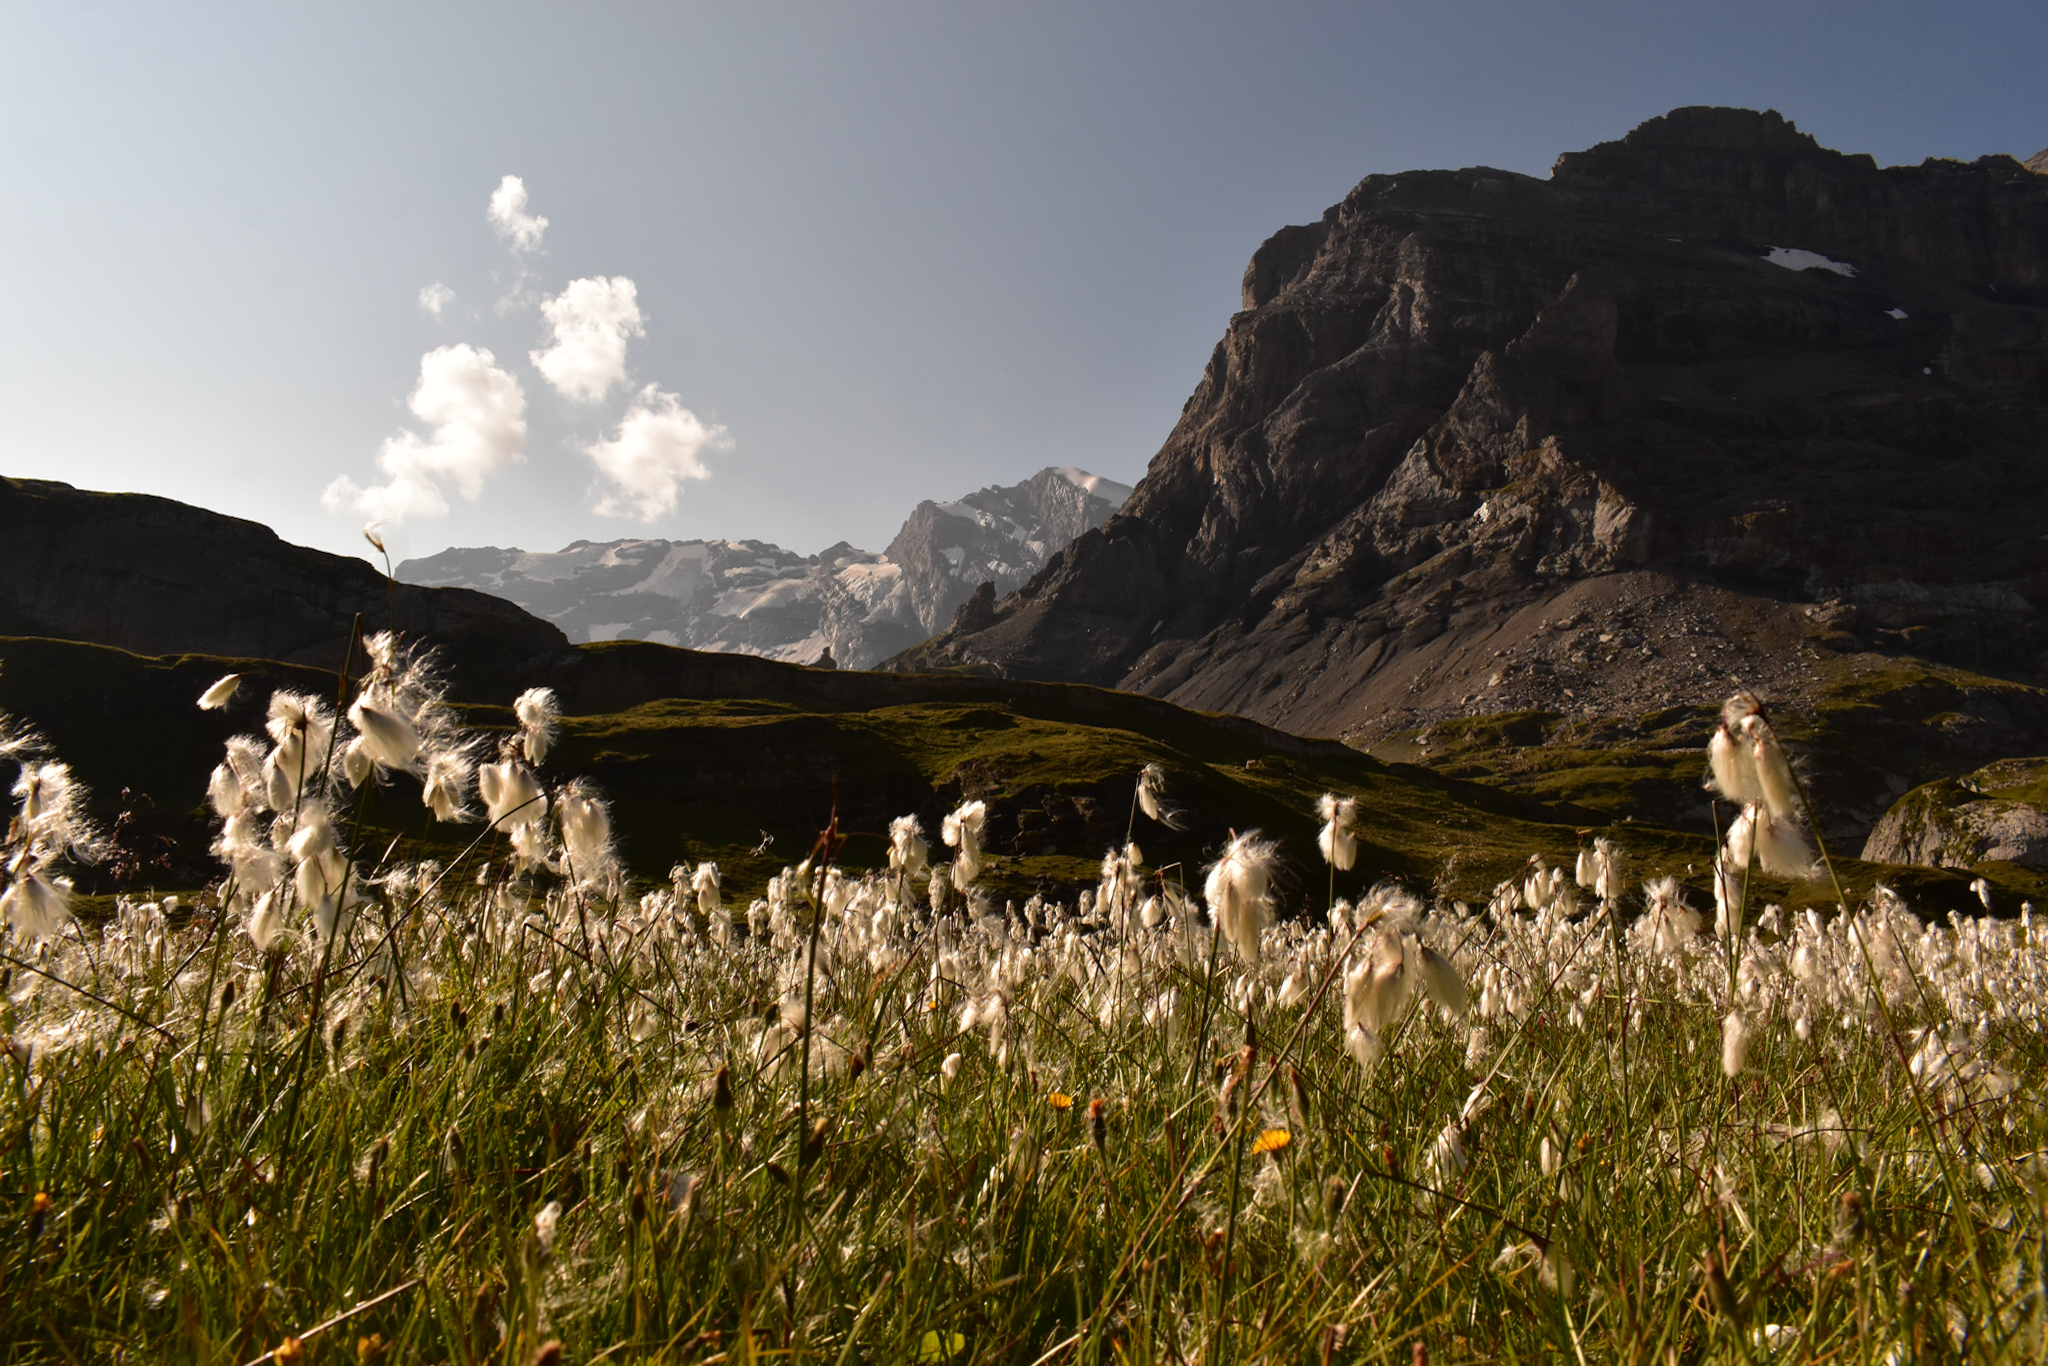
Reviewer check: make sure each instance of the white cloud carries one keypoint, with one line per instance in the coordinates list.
(591, 320)
(509, 216)
(435, 297)
(657, 448)
(478, 416)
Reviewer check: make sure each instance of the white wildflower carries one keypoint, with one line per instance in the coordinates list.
(1338, 844)
(1236, 892)
(538, 714)
(1734, 1044)
(962, 830)
(220, 694)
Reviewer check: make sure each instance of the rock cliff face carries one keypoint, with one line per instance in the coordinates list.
(750, 597)
(159, 577)
(1708, 402)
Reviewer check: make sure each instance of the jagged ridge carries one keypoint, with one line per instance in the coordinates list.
(1713, 393)
(752, 597)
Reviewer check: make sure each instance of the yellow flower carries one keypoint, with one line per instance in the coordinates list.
(1060, 1100)
(1272, 1141)
(938, 1347)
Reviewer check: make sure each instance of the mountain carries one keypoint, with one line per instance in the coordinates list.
(154, 576)
(1711, 405)
(755, 598)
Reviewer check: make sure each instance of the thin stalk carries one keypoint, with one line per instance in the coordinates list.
(1251, 1064)
(1956, 1192)
(827, 848)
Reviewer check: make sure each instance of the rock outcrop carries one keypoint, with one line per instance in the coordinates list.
(750, 597)
(1710, 401)
(159, 577)
(1998, 814)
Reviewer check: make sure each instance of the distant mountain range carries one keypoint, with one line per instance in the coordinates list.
(751, 597)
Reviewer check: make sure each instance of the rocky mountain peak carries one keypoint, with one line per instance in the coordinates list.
(1716, 395)
(844, 604)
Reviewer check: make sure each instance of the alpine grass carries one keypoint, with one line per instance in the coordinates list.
(511, 1107)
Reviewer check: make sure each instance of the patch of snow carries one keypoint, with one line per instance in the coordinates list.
(677, 574)
(664, 638)
(1798, 258)
(966, 512)
(605, 630)
(1895, 313)
(954, 554)
(1108, 490)
(742, 603)
(551, 568)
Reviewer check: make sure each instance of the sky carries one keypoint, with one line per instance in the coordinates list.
(523, 274)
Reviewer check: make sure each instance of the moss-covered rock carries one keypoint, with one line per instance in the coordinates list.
(1998, 814)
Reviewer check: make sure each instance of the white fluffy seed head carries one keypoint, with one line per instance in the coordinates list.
(1235, 890)
(356, 763)
(1775, 787)
(704, 882)
(1441, 980)
(1781, 848)
(220, 694)
(1734, 1044)
(962, 830)
(964, 823)
(384, 735)
(35, 906)
(1732, 760)
(445, 791)
(538, 714)
(1152, 797)
(1364, 1046)
(586, 832)
(1338, 845)
(544, 1225)
(908, 851)
(266, 921)
(511, 796)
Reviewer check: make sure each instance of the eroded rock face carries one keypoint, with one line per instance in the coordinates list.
(1993, 815)
(159, 577)
(1712, 357)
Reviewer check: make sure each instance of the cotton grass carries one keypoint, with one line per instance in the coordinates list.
(545, 1111)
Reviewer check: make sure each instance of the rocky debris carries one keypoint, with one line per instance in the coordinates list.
(1998, 814)
(1728, 403)
(158, 577)
(751, 597)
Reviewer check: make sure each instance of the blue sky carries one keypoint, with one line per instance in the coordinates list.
(893, 251)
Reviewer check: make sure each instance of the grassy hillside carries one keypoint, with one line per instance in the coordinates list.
(741, 761)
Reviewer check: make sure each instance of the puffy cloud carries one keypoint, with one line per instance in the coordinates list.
(478, 416)
(659, 445)
(435, 297)
(591, 320)
(509, 216)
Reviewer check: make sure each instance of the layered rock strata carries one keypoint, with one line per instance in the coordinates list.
(1707, 404)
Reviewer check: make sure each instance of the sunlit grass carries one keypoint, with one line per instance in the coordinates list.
(515, 1104)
